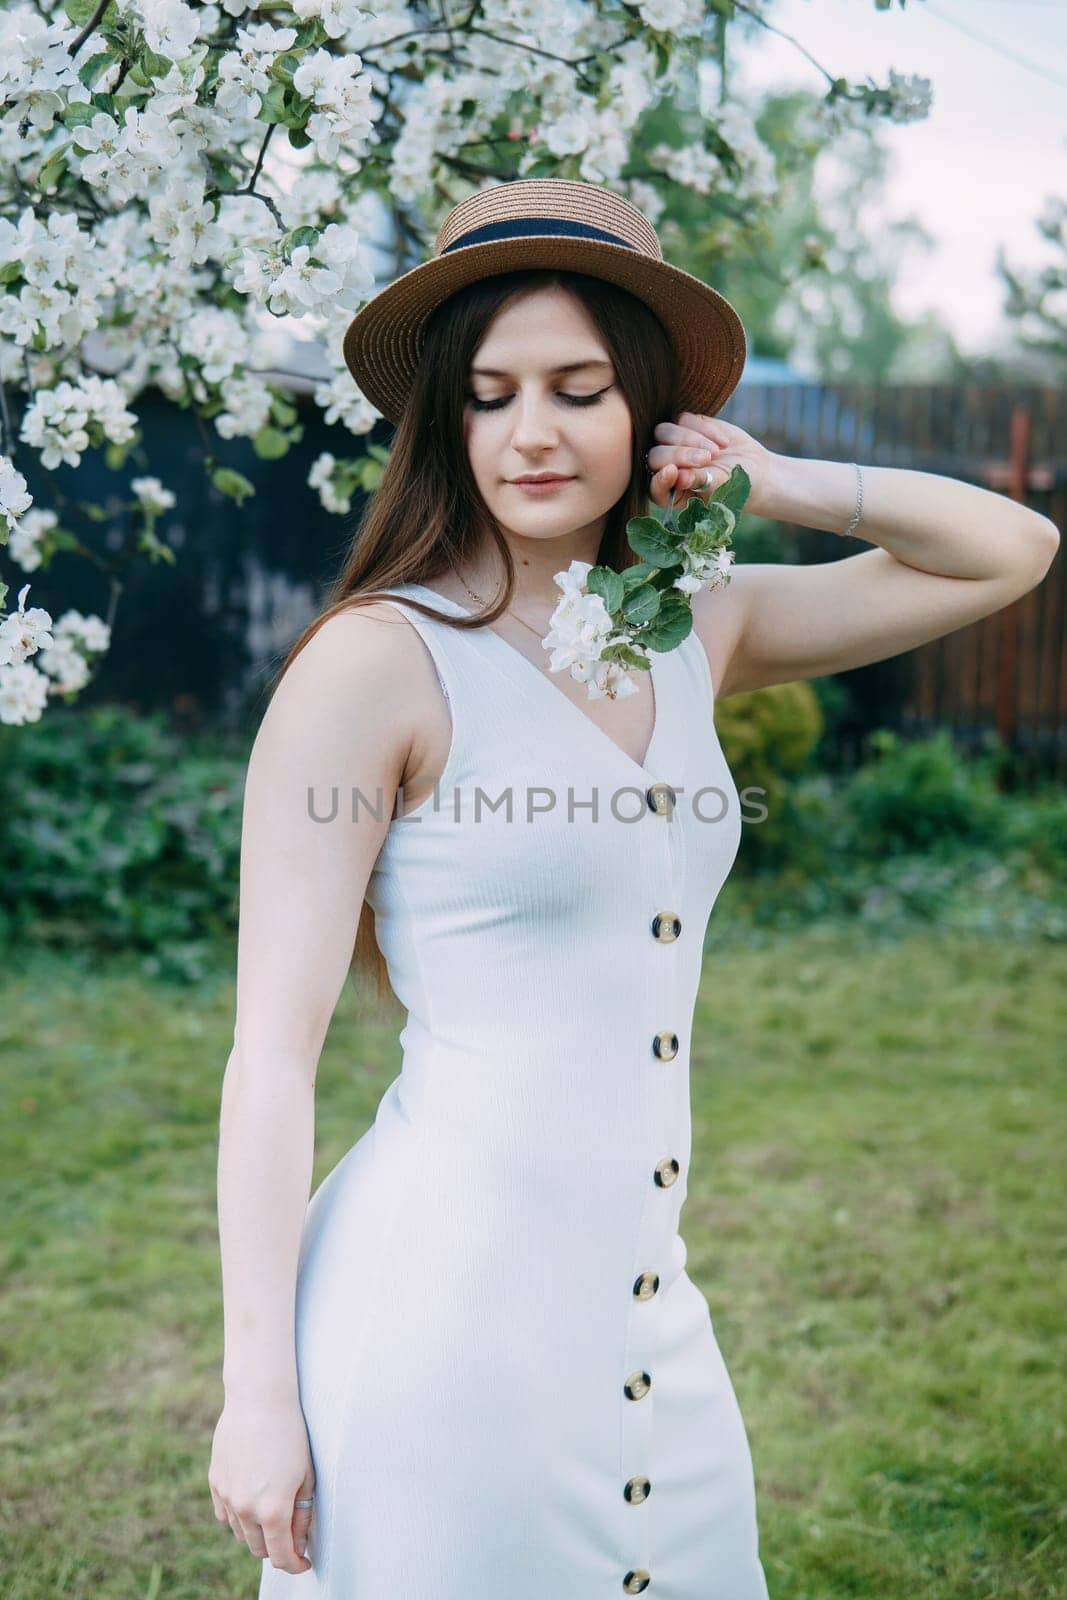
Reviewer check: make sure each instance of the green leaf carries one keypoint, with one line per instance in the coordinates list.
(10, 270)
(79, 11)
(156, 66)
(371, 476)
(53, 169)
(282, 408)
(298, 138)
(153, 547)
(310, 35)
(223, 174)
(270, 443)
(78, 114)
(627, 655)
(639, 573)
(674, 623)
(652, 542)
(735, 491)
(274, 107)
(283, 67)
(299, 236)
(608, 584)
(641, 605)
(90, 70)
(231, 483)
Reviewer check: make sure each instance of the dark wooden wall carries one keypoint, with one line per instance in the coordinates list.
(1006, 673)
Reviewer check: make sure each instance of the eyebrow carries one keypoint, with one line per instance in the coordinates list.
(571, 366)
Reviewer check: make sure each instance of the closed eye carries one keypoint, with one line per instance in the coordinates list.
(571, 399)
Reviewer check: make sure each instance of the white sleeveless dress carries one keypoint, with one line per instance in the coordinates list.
(512, 1386)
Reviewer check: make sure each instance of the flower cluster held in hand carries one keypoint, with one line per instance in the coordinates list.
(610, 621)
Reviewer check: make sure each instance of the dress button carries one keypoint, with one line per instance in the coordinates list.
(646, 1285)
(666, 1171)
(660, 797)
(665, 1046)
(637, 1385)
(666, 926)
(636, 1490)
(636, 1581)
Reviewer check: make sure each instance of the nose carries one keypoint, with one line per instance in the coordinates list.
(535, 428)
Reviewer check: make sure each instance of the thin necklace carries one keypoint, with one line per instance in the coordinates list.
(510, 613)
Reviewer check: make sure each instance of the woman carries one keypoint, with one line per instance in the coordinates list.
(475, 1364)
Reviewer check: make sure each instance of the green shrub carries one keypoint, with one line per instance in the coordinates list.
(117, 831)
(767, 736)
(922, 795)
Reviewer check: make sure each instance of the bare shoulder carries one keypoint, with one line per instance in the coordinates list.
(350, 689)
(717, 621)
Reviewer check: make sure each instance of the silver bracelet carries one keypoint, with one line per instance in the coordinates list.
(859, 503)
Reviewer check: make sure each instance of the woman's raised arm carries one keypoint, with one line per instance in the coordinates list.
(949, 553)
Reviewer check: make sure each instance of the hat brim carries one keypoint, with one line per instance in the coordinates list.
(382, 344)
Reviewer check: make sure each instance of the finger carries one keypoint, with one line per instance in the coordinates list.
(672, 433)
(301, 1527)
(691, 480)
(710, 427)
(662, 483)
(217, 1502)
(281, 1546)
(252, 1534)
(696, 480)
(660, 454)
(302, 1515)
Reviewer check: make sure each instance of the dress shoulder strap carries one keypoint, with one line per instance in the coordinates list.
(434, 635)
(471, 688)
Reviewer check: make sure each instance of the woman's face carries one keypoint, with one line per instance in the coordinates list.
(543, 397)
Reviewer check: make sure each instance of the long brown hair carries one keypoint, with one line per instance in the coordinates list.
(428, 517)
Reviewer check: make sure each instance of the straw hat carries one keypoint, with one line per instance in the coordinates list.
(547, 222)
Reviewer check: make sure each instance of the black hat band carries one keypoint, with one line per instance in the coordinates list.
(519, 227)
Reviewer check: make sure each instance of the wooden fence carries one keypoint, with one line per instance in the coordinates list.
(1006, 673)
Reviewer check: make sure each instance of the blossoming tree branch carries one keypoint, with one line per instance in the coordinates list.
(176, 176)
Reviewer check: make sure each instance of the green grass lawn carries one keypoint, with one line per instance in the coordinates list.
(875, 1213)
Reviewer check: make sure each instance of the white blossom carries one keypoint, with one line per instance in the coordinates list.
(59, 422)
(22, 632)
(911, 96)
(170, 27)
(24, 543)
(23, 693)
(166, 228)
(14, 497)
(152, 495)
(321, 478)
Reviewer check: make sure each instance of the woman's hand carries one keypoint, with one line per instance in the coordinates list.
(260, 1464)
(694, 445)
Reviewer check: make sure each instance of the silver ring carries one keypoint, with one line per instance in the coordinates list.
(302, 1504)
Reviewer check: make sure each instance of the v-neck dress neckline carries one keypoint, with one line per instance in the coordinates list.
(511, 654)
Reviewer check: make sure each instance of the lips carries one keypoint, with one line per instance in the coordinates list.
(556, 477)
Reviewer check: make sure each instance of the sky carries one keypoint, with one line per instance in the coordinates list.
(976, 171)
